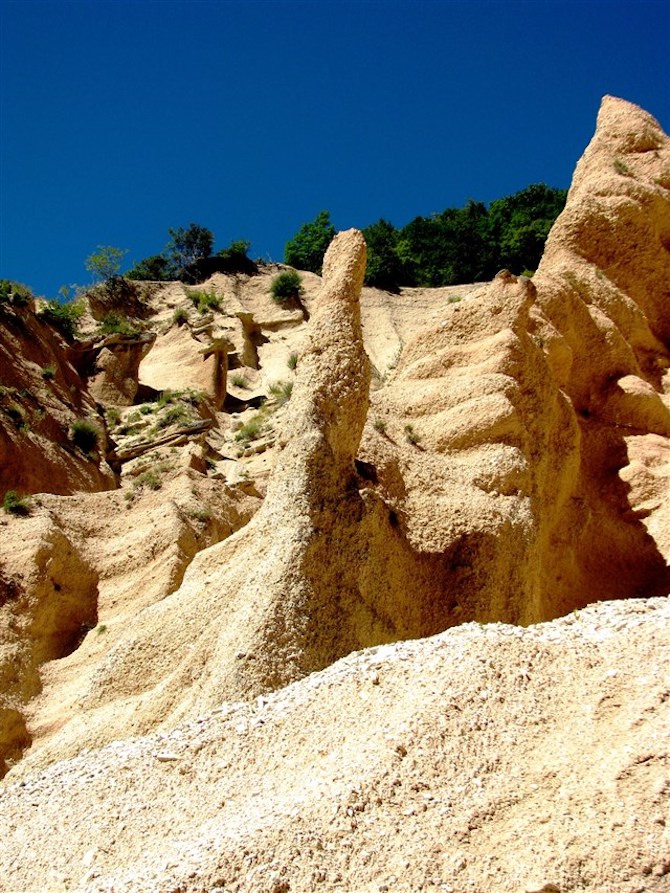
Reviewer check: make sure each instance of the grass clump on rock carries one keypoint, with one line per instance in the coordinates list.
(149, 480)
(252, 430)
(85, 435)
(14, 504)
(204, 301)
(281, 391)
(411, 436)
(239, 381)
(117, 324)
(177, 414)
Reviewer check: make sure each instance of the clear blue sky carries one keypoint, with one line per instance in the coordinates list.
(122, 118)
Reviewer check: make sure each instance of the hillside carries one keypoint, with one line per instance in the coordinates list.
(290, 622)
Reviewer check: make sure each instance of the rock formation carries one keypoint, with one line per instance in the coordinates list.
(74, 574)
(503, 460)
(539, 405)
(279, 599)
(603, 293)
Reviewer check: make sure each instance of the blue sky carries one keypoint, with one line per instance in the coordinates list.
(122, 118)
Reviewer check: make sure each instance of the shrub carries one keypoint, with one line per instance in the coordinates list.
(411, 435)
(239, 380)
(286, 286)
(292, 361)
(14, 504)
(113, 416)
(379, 425)
(85, 435)
(204, 300)
(48, 372)
(117, 324)
(180, 316)
(14, 293)
(64, 317)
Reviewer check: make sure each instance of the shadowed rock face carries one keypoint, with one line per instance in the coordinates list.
(41, 395)
(48, 601)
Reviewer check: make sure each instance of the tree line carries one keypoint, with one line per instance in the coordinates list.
(458, 245)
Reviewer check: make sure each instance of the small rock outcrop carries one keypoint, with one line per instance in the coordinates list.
(115, 377)
(178, 361)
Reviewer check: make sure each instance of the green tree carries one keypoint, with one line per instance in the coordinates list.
(236, 251)
(519, 225)
(384, 267)
(307, 248)
(235, 258)
(155, 269)
(187, 247)
(447, 248)
(14, 293)
(105, 263)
